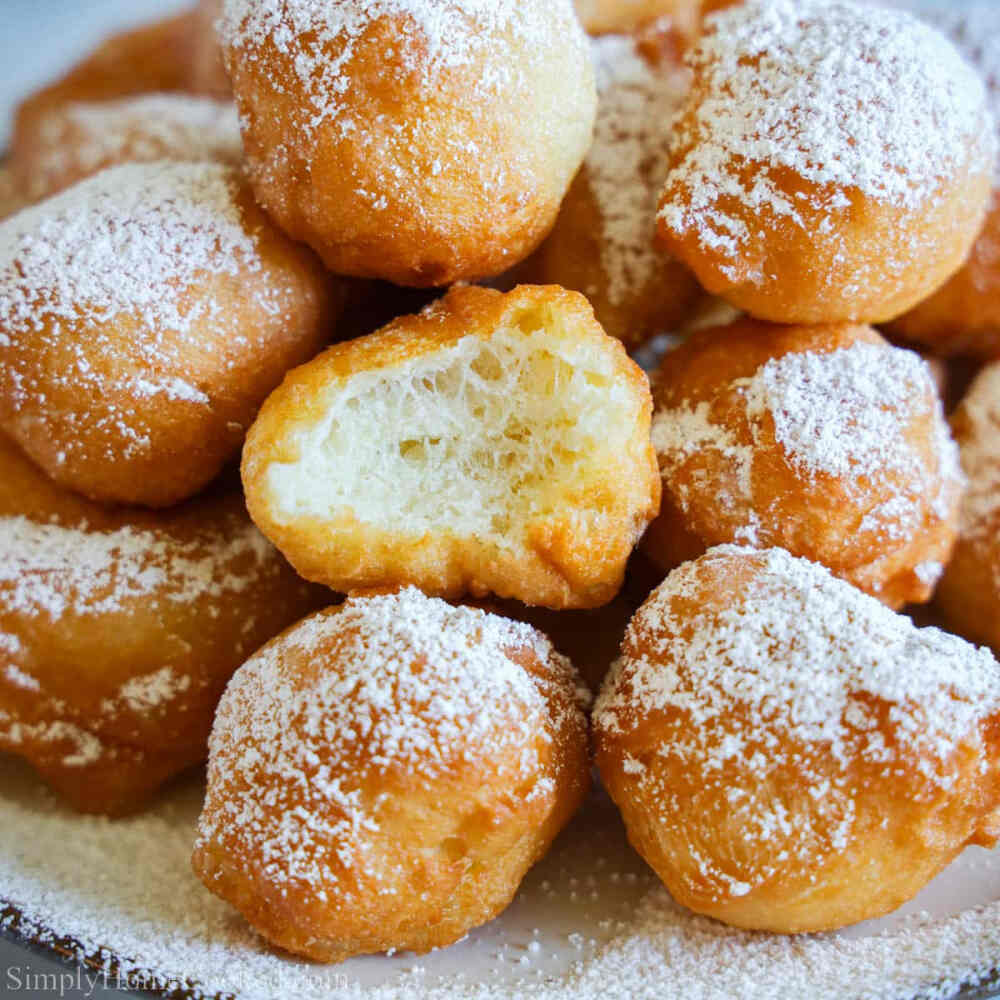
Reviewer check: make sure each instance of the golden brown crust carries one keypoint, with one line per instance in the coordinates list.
(730, 474)
(130, 407)
(603, 242)
(570, 554)
(766, 814)
(435, 811)
(963, 316)
(208, 71)
(120, 628)
(410, 172)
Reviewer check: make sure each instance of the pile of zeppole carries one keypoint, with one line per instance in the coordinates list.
(373, 371)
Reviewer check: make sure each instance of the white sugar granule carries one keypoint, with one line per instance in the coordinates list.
(51, 570)
(126, 885)
(628, 161)
(150, 691)
(413, 683)
(80, 137)
(846, 96)
(117, 242)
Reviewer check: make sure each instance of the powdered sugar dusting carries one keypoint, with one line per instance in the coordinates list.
(403, 682)
(437, 36)
(796, 667)
(842, 95)
(629, 159)
(78, 138)
(51, 570)
(111, 245)
(980, 451)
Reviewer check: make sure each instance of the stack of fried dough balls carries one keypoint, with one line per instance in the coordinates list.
(210, 210)
(810, 189)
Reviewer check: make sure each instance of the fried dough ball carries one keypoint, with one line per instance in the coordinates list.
(155, 57)
(145, 314)
(963, 317)
(120, 628)
(608, 17)
(384, 773)
(824, 440)
(790, 755)
(208, 71)
(80, 138)
(421, 143)
(969, 593)
(603, 240)
(811, 189)
(492, 444)
(11, 197)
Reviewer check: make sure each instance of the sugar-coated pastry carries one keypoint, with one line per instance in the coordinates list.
(491, 444)
(603, 242)
(825, 441)
(963, 317)
(417, 141)
(790, 755)
(145, 314)
(208, 70)
(79, 138)
(155, 57)
(384, 773)
(11, 197)
(605, 17)
(120, 628)
(968, 596)
(833, 162)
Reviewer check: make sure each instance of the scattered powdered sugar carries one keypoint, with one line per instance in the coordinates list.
(629, 159)
(78, 138)
(320, 37)
(150, 691)
(590, 921)
(407, 682)
(840, 94)
(15, 676)
(51, 570)
(112, 244)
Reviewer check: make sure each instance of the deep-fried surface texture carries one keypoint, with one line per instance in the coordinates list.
(79, 138)
(823, 440)
(418, 141)
(120, 628)
(790, 755)
(811, 189)
(208, 71)
(155, 57)
(145, 314)
(603, 243)
(605, 17)
(493, 443)
(969, 592)
(384, 773)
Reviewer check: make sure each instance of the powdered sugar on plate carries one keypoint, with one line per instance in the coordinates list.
(590, 921)
(78, 138)
(845, 96)
(629, 159)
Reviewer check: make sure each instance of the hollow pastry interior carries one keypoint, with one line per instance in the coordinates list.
(472, 438)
